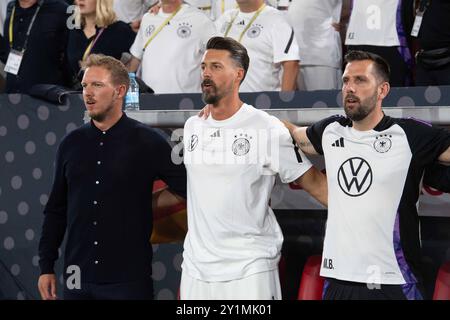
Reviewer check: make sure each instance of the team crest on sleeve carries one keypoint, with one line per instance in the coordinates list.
(254, 31)
(383, 143)
(184, 30)
(193, 142)
(241, 144)
(149, 30)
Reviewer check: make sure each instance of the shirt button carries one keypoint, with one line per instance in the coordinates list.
(94, 223)
(97, 182)
(95, 242)
(104, 132)
(101, 143)
(95, 202)
(99, 162)
(96, 261)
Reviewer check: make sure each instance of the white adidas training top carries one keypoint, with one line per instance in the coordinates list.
(269, 41)
(231, 167)
(171, 62)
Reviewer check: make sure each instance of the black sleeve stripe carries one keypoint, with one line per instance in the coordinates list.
(290, 41)
(297, 154)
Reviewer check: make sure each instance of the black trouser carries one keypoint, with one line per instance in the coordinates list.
(399, 69)
(344, 290)
(136, 290)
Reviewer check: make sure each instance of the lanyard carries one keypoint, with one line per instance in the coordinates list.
(11, 22)
(160, 28)
(92, 44)
(248, 25)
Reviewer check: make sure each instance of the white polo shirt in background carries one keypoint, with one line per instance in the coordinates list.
(269, 41)
(231, 167)
(319, 42)
(171, 62)
(131, 10)
(373, 23)
(213, 8)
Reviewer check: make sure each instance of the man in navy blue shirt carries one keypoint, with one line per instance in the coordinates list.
(102, 195)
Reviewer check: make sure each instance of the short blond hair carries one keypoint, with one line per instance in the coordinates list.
(117, 70)
(104, 14)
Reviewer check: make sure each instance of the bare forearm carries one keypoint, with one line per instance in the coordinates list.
(300, 137)
(315, 183)
(290, 72)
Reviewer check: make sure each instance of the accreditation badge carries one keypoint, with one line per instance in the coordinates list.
(417, 23)
(14, 61)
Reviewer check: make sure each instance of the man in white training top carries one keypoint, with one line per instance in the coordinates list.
(233, 244)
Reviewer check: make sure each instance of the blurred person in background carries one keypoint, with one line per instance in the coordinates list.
(378, 26)
(213, 8)
(132, 11)
(316, 27)
(433, 58)
(3, 6)
(34, 42)
(270, 42)
(169, 46)
(96, 30)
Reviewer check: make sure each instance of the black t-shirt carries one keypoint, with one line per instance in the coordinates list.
(435, 30)
(115, 39)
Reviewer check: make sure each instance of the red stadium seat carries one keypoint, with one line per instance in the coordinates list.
(442, 286)
(311, 283)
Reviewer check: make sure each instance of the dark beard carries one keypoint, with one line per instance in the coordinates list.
(365, 107)
(212, 97)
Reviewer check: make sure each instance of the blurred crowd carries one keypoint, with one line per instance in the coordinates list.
(292, 44)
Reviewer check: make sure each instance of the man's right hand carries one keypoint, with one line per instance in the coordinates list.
(47, 286)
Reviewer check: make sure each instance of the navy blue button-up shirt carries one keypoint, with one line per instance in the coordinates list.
(102, 196)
